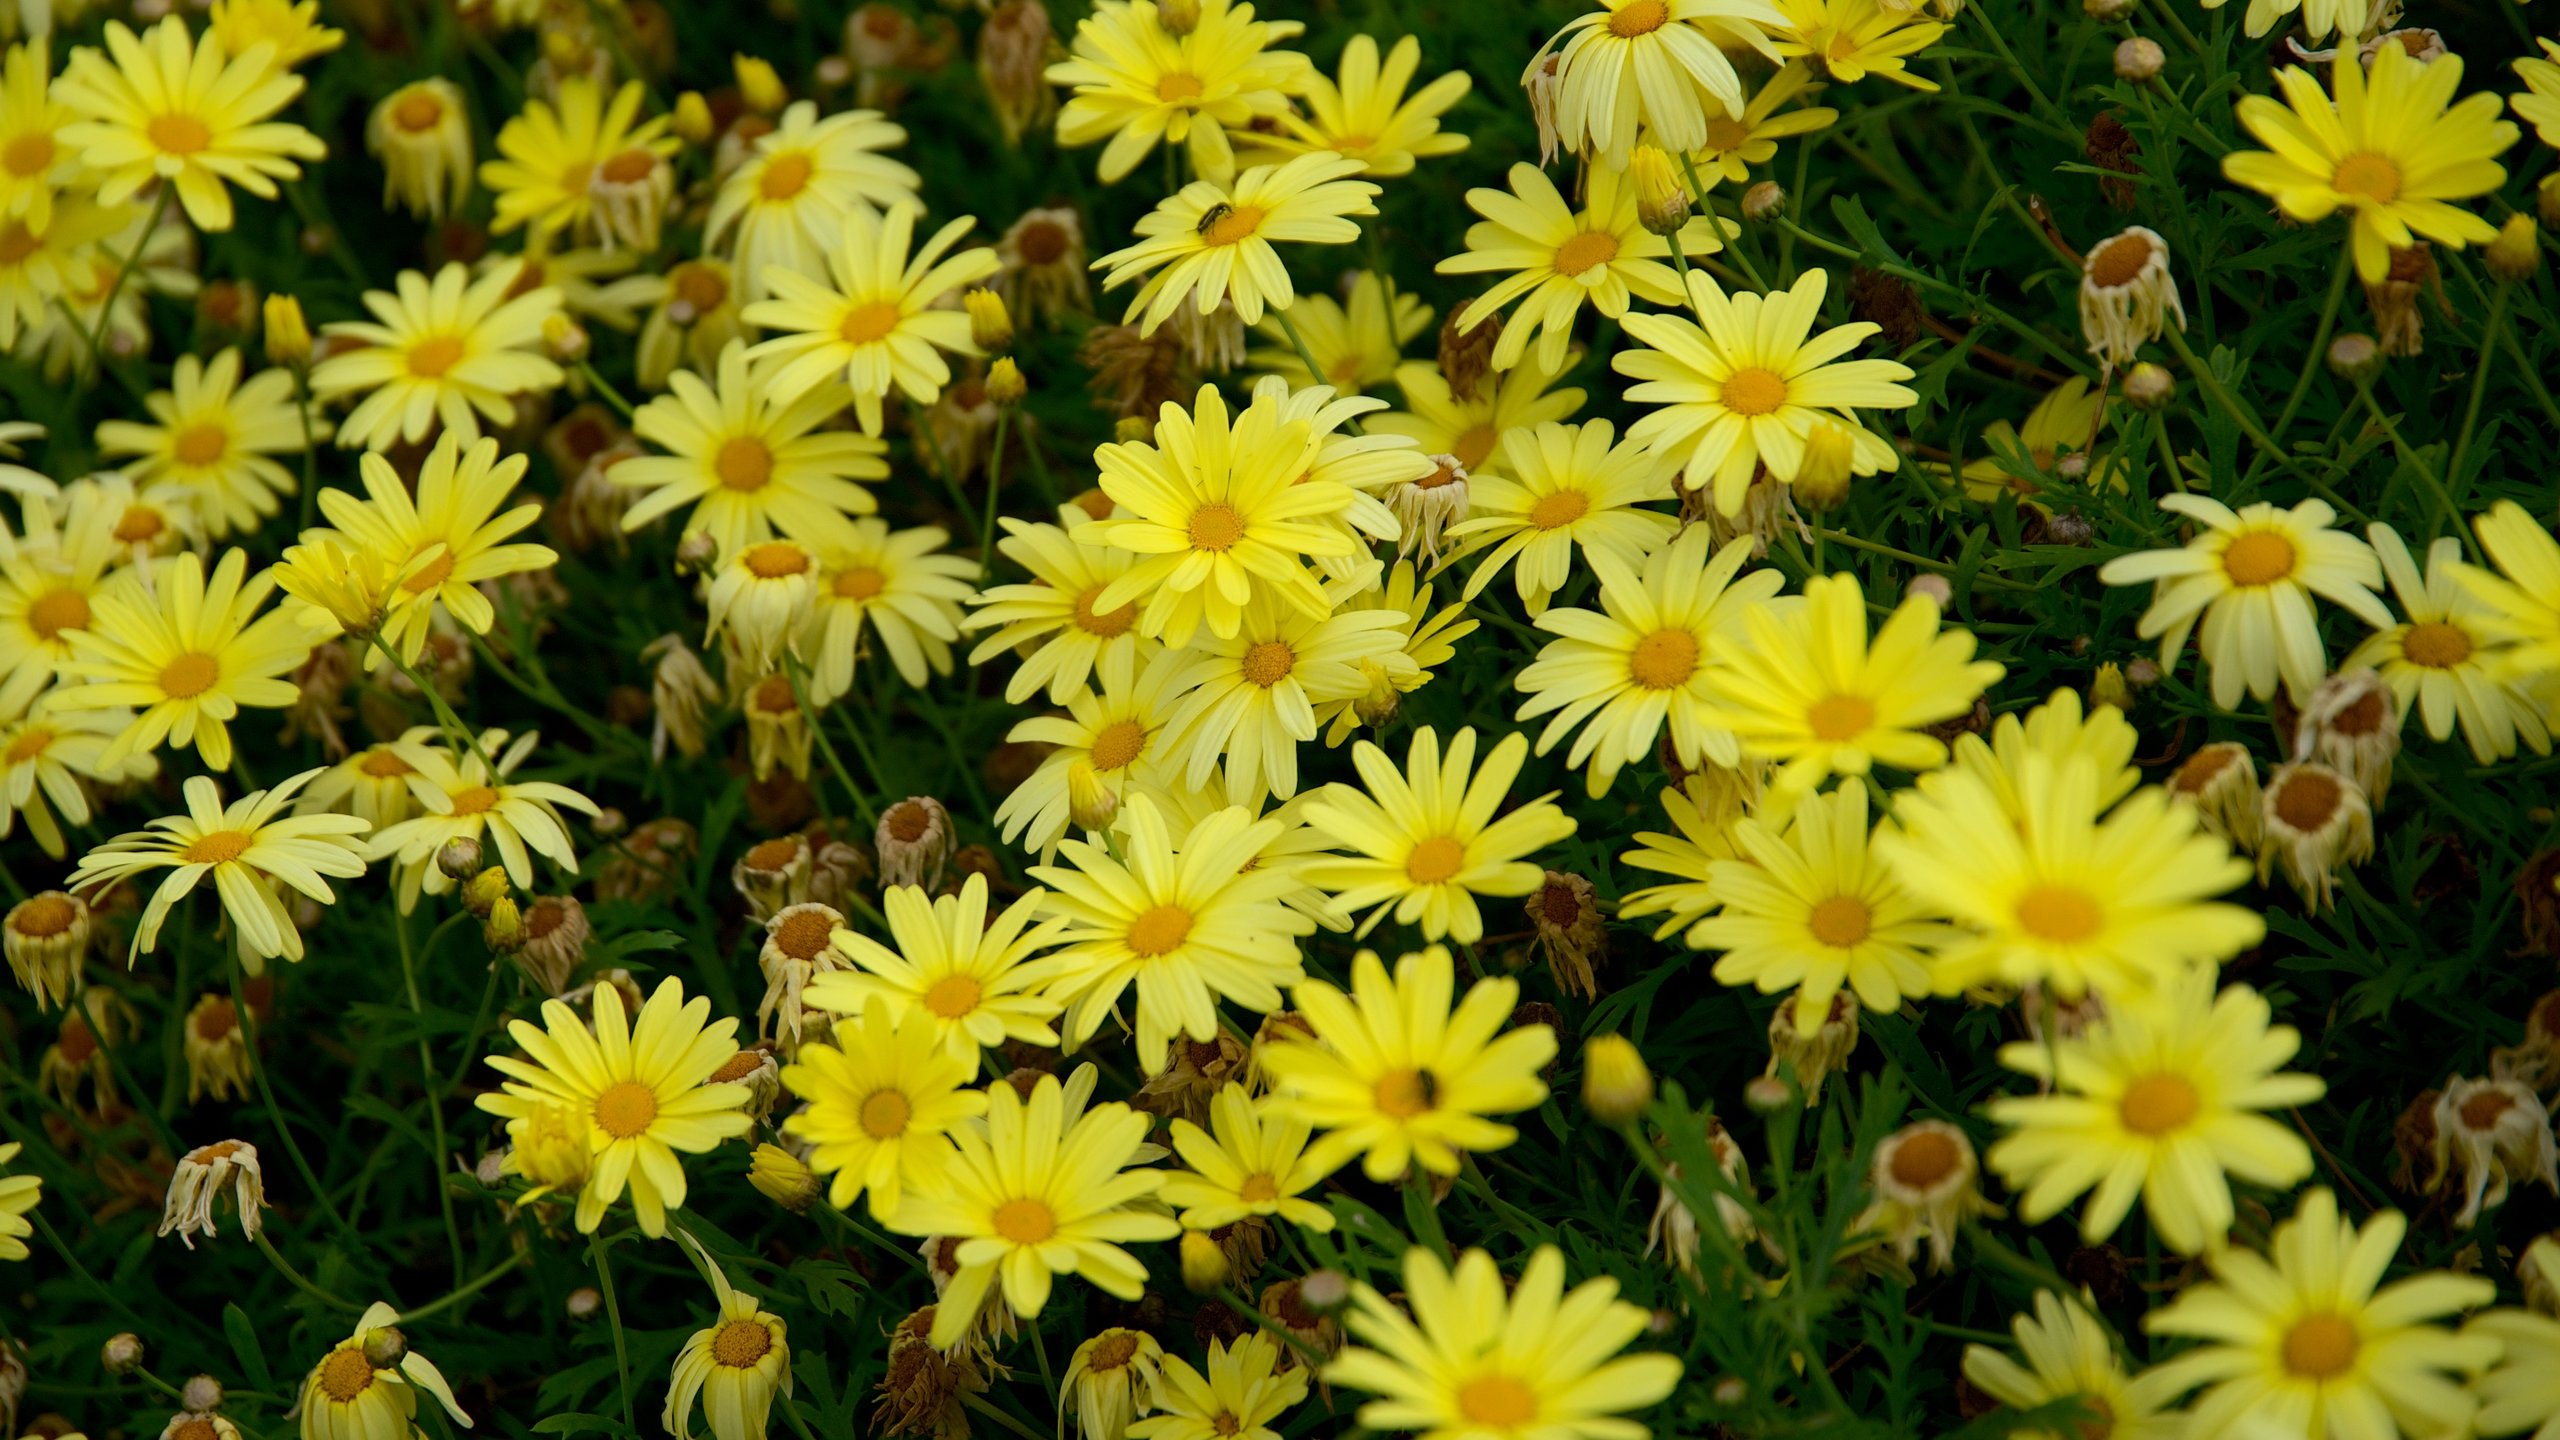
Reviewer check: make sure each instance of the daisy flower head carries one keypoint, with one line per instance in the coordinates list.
(1248, 702)
(246, 848)
(444, 540)
(973, 978)
(2068, 1354)
(733, 1367)
(1241, 1396)
(2441, 662)
(551, 155)
(1807, 688)
(2307, 1340)
(1357, 347)
(1738, 140)
(1394, 1075)
(1563, 487)
(422, 134)
(2059, 426)
(1057, 613)
(1657, 66)
(1187, 923)
(642, 1090)
(291, 28)
(785, 204)
(1037, 1190)
(1748, 389)
(48, 761)
(1425, 839)
(2250, 575)
(1645, 658)
(1703, 810)
(1132, 79)
(896, 585)
(348, 1397)
(168, 107)
(38, 164)
(1368, 116)
(185, 654)
(2052, 893)
(1107, 746)
(1212, 242)
(1250, 1161)
(1424, 640)
(2520, 590)
(451, 350)
(1553, 258)
(52, 569)
(469, 797)
(2386, 150)
(2537, 105)
(873, 317)
(2162, 1098)
(879, 1102)
(750, 467)
(1473, 429)
(214, 437)
(1476, 1357)
(371, 784)
(1851, 40)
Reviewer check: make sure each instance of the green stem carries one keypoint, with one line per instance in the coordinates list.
(809, 714)
(310, 445)
(2319, 340)
(605, 388)
(2250, 427)
(1698, 192)
(613, 1318)
(980, 1405)
(2426, 473)
(427, 1082)
(2479, 379)
(115, 287)
(463, 736)
(995, 478)
(463, 1292)
(301, 1282)
(1857, 542)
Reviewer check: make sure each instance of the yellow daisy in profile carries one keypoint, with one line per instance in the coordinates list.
(1367, 116)
(734, 1367)
(1249, 702)
(1855, 39)
(1473, 429)
(643, 1087)
(551, 155)
(2307, 1340)
(467, 797)
(1241, 1397)
(2521, 592)
(213, 437)
(1479, 1358)
(1249, 1161)
(1426, 839)
(897, 585)
(1355, 348)
(2058, 896)
(2250, 574)
(445, 538)
(1186, 924)
(246, 849)
(1650, 65)
(1810, 906)
(1748, 389)
(2059, 425)
(1107, 746)
(973, 978)
(1736, 141)
(1058, 614)
(1133, 79)
(2523, 1392)
(1562, 487)
(2159, 1098)
(879, 1102)
(167, 107)
(751, 468)
(1552, 258)
(1396, 1076)
(786, 202)
(1808, 689)
(1212, 242)
(185, 655)
(1644, 659)
(2441, 662)
(35, 164)
(2386, 150)
(18, 1195)
(874, 316)
(348, 1397)
(1035, 1192)
(2070, 1356)
(452, 350)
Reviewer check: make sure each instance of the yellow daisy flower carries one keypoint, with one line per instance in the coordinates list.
(1367, 116)
(785, 204)
(471, 798)
(165, 106)
(734, 1367)
(445, 538)
(2060, 424)
(1108, 742)
(291, 27)
(896, 585)
(751, 468)
(1737, 141)
(1248, 1162)
(1057, 613)
(2386, 150)
(1479, 1358)
(2441, 662)
(1427, 839)
(1241, 1397)
(451, 349)
(1394, 1075)
(348, 1397)
(1033, 1193)
(47, 264)
(1248, 702)
(1557, 257)
(693, 315)
(1424, 640)
(972, 978)
(1704, 813)
(18, 1195)
(50, 575)
(1645, 658)
(1854, 39)
(48, 758)
(1749, 388)
(2158, 1098)
(1806, 688)
(1473, 429)
(1573, 488)
(2523, 1392)
(874, 315)
(2522, 592)
(213, 439)
(35, 163)
(1212, 241)
(551, 154)
(1352, 343)
(1650, 65)
(2307, 1340)
(185, 654)
(422, 134)
(2251, 575)
(371, 784)
(2070, 1356)
(1134, 80)
(879, 1106)
(246, 849)
(2538, 105)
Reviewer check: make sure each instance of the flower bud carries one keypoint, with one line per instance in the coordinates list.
(1730, 1391)
(1767, 1095)
(386, 1347)
(2355, 358)
(503, 928)
(990, 326)
(1763, 202)
(584, 1302)
(482, 892)
(1005, 384)
(2517, 252)
(2111, 688)
(201, 1392)
(1178, 17)
(1133, 430)
(693, 120)
(122, 1354)
(1324, 1292)
(696, 552)
(1616, 1086)
(459, 858)
(2106, 12)
(1662, 202)
(782, 1178)
(1204, 1265)
(2139, 60)
(2147, 387)
(288, 333)
(759, 85)
(1822, 476)
(564, 338)
(1936, 587)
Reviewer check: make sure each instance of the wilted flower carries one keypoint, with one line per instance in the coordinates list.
(2492, 1131)
(202, 1175)
(1925, 1183)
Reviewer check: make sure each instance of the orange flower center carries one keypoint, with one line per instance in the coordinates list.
(2436, 645)
(346, 1374)
(57, 611)
(2261, 557)
(2320, 1346)
(1474, 444)
(17, 242)
(1726, 133)
(953, 996)
(2367, 176)
(1216, 526)
(44, 917)
(1435, 860)
(2058, 914)
(417, 111)
(1105, 623)
(1177, 87)
(1840, 922)
(859, 583)
(744, 464)
(1498, 1402)
(785, 175)
(474, 801)
(1236, 225)
(630, 167)
(625, 1109)
(216, 1021)
(1753, 390)
(739, 1344)
(217, 848)
(1159, 931)
(179, 134)
(885, 1114)
(383, 765)
(1924, 1160)
(139, 524)
(1403, 1094)
(804, 933)
(1258, 1189)
(1839, 718)
(1583, 251)
(2307, 800)
(2158, 1104)
(2117, 262)
(1025, 1222)
(1641, 18)
(1554, 512)
(29, 745)
(1269, 662)
(1117, 744)
(28, 155)
(701, 287)
(2481, 1111)
(775, 560)
(200, 445)
(432, 574)
(430, 358)
(869, 322)
(190, 675)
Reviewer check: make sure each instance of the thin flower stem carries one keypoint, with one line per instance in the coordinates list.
(427, 1081)
(2249, 426)
(2427, 475)
(163, 1386)
(88, 1277)
(300, 1281)
(995, 478)
(1698, 193)
(809, 713)
(310, 445)
(275, 1112)
(2319, 340)
(2479, 379)
(1858, 542)
(1001, 1417)
(1307, 357)
(2177, 24)
(462, 735)
(605, 388)
(115, 287)
(613, 1318)
(465, 1291)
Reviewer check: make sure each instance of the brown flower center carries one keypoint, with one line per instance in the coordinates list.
(862, 582)
(629, 168)
(57, 611)
(476, 800)
(28, 155)
(1924, 1160)
(1108, 624)
(1268, 662)
(1556, 511)
(2118, 261)
(2319, 1347)
(885, 1114)
(2307, 800)
(417, 112)
(2436, 645)
(1498, 1402)
(744, 464)
(44, 917)
(775, 560)
(1216, 526)
(1839, 718)
(1234, 227)
(804, 933)
(1403, 1094)
(1177, 87)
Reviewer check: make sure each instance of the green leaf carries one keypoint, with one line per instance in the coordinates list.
(245, 1347)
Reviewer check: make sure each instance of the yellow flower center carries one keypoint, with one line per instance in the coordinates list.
(1583, 251)
(1403, 1094)
(1104, 623)
(346, 1374)
(1117, 744)
(1726, 133)
(430, 358)
(1924, 1160)
(625, 1109)
(869, 322)
(701, 287)
(2367, 176)
(200, 445)
(1839, 718)
(2058, 914)
(1435, 860)
(1269, 662)
(1474, 444)
(2320, 1346)
(2261, 557)
(43, 917)
(1664, 659)
(1025, 1222)
(859, 583)
(1159, 931)
(885, 1115)
(190, 675)
(417, 112)
(432, 574)
(1840, 922)
(739, 1344)
(2158, 1104)
(29, 745)
(1554, 512)
(1236, 225)
(17, 242)
(1216, 526)
(775, 560)
(1753, 390)
(2116, 263)
(58, 611)
(629, 168)
(744, 464)
(1177, 87)
(1641, 18)
(1258, 1189)
(1226, 1423)
(474, 801)
(217, 848)
(179, 134)
(2436, 645)
(139, 524)
(953, 996)
(785, 175)
(383, 765)
(28, 155)
(1497, 1401)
